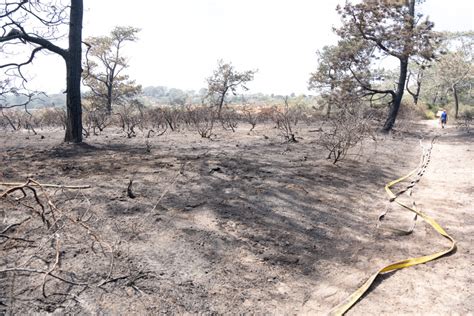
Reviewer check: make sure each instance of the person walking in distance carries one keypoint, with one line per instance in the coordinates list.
(443, 118)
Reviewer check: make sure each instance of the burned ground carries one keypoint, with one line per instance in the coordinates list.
(245, 223)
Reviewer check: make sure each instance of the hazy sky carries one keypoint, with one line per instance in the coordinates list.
(181, 40)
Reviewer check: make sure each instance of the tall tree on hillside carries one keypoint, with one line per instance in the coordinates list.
(105, 64)
(224, 80)
(386, 28)
(39, 24)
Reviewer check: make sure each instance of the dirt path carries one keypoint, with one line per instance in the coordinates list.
(444, 286)
(248, 224)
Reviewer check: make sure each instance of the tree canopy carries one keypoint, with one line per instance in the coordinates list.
(226, 79)
(105, 65)
(372, 30)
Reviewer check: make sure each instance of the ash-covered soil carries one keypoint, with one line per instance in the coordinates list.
(242, 223)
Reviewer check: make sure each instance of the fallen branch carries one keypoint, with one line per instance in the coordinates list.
(178, 174)
(56, 262)
(104, 282)
(45, 185)
(15, 238)
(42, 272)
(62, 225)
(14, 225)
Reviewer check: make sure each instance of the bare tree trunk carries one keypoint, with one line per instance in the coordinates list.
(328, 113)
(416, 97)
(419, 82)
(435, 98)
(220, 105)
(73, 70)
(416, 94)
(9, 121)
(397, 100)
(109, 97)
(456, 101)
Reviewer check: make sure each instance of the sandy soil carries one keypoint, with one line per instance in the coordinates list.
(247, 224)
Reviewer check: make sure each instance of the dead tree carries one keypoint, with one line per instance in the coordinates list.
(53, 117)
(346, 130)
(251, 117)
(155, 120)
(172, 117)
(202, 119)
(96, 119)
(229, 119)
(130, 117)
(21, 119)
(464, 121)
(285, 121)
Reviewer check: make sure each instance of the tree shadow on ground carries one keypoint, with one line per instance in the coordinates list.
(238, 222)
(291, 215)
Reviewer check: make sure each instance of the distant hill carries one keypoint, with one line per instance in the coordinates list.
(39, 101)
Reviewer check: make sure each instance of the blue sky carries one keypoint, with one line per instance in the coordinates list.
(181, 40)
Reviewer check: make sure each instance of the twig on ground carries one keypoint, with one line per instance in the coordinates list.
(43, 272)
(57, 221)
(46, 185)
(15, 238)
(178, 174)
(56, 262)
(14, 225)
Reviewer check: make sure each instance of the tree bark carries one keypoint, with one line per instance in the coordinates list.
(416, 97)
(73, 74)
(435, 98)
(397, 100)
(328, 113)
(221, 103)
(456, 101)
(109, 97)
(416, 94)
(9, 121)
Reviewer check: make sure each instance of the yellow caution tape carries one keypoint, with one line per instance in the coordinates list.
(345, 305)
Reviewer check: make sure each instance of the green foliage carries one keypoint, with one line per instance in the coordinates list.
(429, 115)
(449, 80)
(104, 69)
(226, 79)
(372, 30)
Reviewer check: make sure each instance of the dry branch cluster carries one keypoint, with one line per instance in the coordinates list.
(349, 124)
(15, 119)
(464, 121)
(347, 129)
(133, 117)
(51, 250)
(286, 120)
